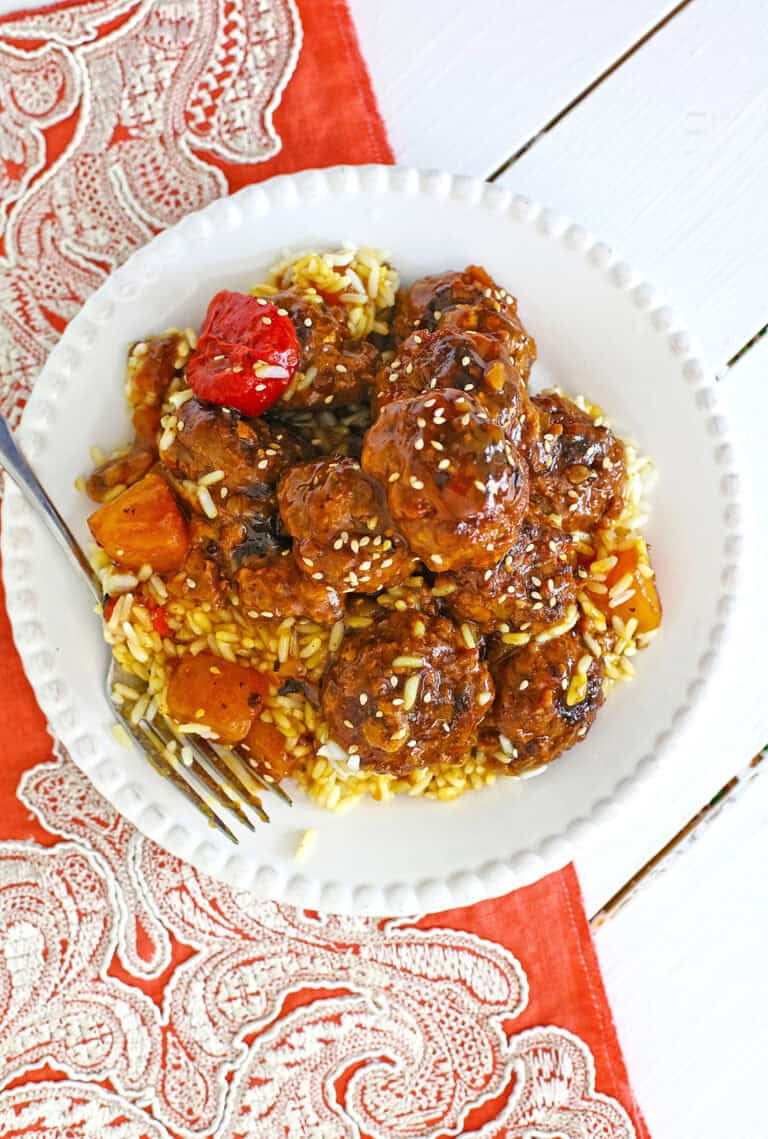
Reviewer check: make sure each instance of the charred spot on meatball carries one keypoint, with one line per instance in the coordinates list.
(456, 487)
(405, 692)
(547, 697)
(581, 469)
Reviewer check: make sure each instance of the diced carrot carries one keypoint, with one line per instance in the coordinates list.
(207, 690)
(144, 525)
(267, 748)
(644, 604)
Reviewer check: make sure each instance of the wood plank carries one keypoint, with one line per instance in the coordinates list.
(684, 965)
(668, 159)
(716, 748)
(463, 86)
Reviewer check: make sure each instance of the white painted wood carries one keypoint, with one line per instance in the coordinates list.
(684, 965)
(668, 159)
(463, 86)
(707, 760)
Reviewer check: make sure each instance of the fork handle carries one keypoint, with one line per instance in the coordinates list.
(30, 486)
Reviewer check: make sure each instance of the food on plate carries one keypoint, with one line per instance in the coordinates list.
(350, 541)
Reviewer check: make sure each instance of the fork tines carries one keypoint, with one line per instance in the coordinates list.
(207, 776)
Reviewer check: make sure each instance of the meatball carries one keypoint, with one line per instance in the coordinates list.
(467, 296)
(341, 527)
(274, 586)
(248, 451)
(333, 368)
(580, 471)
(456, 487)
(407, 691)
(120, 471)
(466, 361)
(530, 588)
(547, 697)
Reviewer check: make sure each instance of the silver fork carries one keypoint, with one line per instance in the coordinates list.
(208, 775)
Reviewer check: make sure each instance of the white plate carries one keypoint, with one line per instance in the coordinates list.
(599, 330)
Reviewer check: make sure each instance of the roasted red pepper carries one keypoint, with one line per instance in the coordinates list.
(159, 619)
(246, 355)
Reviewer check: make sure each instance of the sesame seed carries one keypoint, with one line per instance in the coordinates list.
(437, 445)
(468, 636)
(523, 685)
(340, 368)
(484, 698)
(417, 484)
(437, 559)
(308, 561)
(444, 465)
(419, 444)
(363, 698)
(266, 320)
(394, 476)
(464, 361)
(317, 576)
(480, 486)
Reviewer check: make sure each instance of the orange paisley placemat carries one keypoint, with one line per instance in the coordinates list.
(138, 998)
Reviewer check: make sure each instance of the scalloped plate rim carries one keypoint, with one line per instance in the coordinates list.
(554, 850)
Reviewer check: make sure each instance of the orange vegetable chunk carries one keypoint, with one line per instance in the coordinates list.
(205, 689)
(644, 604)
(266, 746)
(143, 526)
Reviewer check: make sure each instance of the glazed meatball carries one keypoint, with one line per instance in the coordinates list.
(456, 487)
(529, 589)
(341, 527)
(274, 586)
(406, 692)
(468, 296)
(466, 361)
(248, 451)
(333, 368)
(547, 697)
(580, 472)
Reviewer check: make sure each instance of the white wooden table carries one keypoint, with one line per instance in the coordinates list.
(648, 122)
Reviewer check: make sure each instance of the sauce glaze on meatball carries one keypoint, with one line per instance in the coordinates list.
(342, 532)
(529, 589)
(456, 487)
(536, 710)
(405, 692)
(466, 361)
(471, 300)
(581, 467)
(333, 368)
